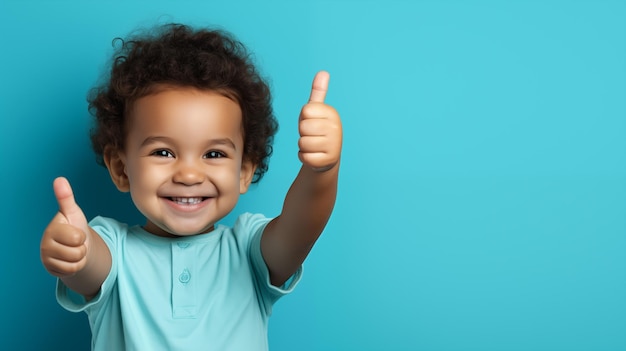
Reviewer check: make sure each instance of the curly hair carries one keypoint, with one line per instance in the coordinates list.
(178, 55)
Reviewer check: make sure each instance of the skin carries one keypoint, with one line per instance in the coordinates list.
(183, 165)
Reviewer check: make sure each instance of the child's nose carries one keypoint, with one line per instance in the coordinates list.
(189, 174)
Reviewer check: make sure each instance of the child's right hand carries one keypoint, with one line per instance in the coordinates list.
(65, 241)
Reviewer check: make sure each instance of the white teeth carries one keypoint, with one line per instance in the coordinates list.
(187, 200)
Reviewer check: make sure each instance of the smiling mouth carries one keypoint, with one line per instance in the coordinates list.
(187, 200)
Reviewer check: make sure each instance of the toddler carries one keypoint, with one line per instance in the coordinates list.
(184, 123)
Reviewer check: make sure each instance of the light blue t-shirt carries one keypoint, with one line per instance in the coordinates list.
(202, 292)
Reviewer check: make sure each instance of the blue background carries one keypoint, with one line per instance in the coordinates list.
(482, 201)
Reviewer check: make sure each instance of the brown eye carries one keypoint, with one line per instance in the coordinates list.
(214, 154)
(162, 153)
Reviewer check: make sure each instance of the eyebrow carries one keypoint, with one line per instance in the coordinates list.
(223, 141)
(211, 142)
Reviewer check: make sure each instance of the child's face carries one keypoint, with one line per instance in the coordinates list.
(183, 160)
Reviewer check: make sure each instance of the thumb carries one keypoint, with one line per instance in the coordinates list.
(67, 205)
(320, 87)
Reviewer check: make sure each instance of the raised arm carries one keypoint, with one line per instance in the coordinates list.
(289, 237)
(70, 249)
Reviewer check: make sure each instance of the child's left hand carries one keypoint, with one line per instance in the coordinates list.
(320, 129)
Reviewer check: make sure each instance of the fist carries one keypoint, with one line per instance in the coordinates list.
(320, 129)
(65, 242)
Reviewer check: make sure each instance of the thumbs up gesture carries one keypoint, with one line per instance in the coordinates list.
(320, 129)
(65, 241)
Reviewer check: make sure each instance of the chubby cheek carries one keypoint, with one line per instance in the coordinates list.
(144, 181)
(226, 179)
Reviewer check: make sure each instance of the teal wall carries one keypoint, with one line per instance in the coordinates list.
(483, 191)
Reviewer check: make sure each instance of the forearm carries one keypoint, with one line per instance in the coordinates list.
(308, 205)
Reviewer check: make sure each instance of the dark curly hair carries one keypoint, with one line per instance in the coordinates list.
(178, 55)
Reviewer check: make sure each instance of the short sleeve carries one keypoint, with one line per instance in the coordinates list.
(254, 224)
(110, 231)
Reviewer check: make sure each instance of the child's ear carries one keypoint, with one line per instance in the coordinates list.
(116, 164)
(246, 175)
